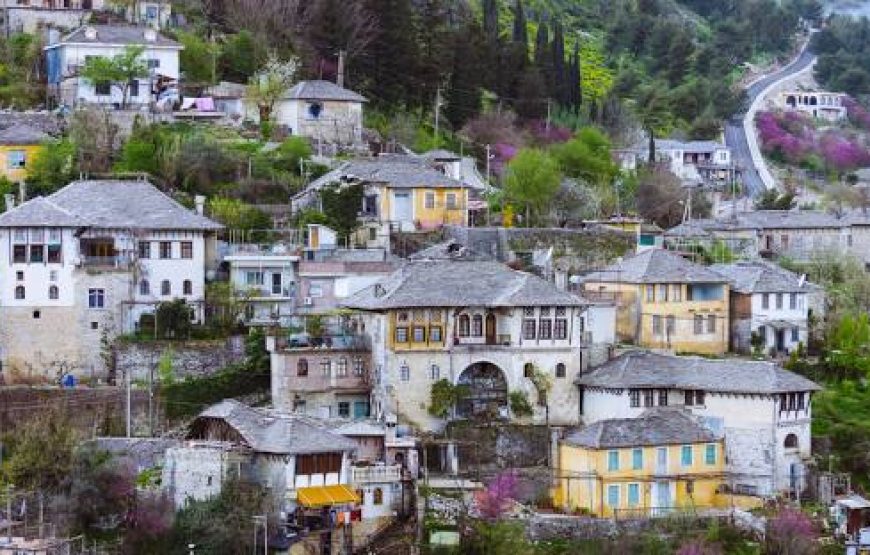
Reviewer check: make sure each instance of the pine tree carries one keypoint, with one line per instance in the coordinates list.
(389, 68)
(560, 91)
(463, 96)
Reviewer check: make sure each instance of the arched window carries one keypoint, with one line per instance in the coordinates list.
(378, 497)
(791, 441)
(302, 367)
(464, 325)
(144, 287)
(560, 370)
(165, 287)
(187, 287)
(19, 292)
(53, 292)
(477, 325)
(528, 370)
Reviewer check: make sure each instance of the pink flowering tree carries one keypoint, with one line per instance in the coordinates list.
(497, 498)
(791, 532)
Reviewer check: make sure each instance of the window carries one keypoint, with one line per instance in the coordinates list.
(529, 328)
(187, 287)
(792, 301)
(429, 200)
(53, 254)
(636, 459)
(765, 300)
(677, 293)
(613, 495)
(762, 334)
(378, 497)
(165, 249)
(650, 293)
(37, 253)
(528, 370)
(634, 398)
(277, 283)
(710, 454)
(699, 324)
(657, 324)
(405, 372)
(373, 233)
(326, 367)
(358, 366)
(560, 370)
(663, 293)
(144, 249)
(795, 334)
(464, 325)
(153, 63)
(800, 401)
(341, 367)
(19, 276)
(612, 460)
(186, 249)
(670, 325)
(16, 159)
(699, 398)
(302, 367)
(133, 88)
(529, 312)
(344, 409)
(711, 323)
(561, 329)
(648, 397)
(315, 290)
(633, 495)
(450, 201)
(477, 325)
(53, 292)
(103, 88)
(434, 372)
(546, 329)
(686, 455)
(19, 254)
(791, 441)
(20, 236)
(435, 334)
(165, 287)
(254, 278)
(37, 315)
(419, 334)
(96, 298)
(144, 287)
(663, 397)
(779, 301)
(52, 275)
(401, 335)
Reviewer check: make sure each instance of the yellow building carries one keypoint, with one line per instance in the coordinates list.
(662, 462)
(665, 302)
(19, 145)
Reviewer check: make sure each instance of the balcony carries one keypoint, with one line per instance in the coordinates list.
(498, 340)
(375, 474)
(118, 262)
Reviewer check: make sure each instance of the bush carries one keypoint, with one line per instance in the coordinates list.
(520, 406)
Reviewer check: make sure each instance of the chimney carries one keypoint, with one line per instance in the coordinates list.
(199, 201)
(10, 201)
(90, 33)
(340, 77)
(22, 192)
(150, 35)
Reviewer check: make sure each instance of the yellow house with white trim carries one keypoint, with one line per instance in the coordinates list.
(20, 144)
(663, 462)
(665, 302)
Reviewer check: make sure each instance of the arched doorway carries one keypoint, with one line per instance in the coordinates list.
(487, 390)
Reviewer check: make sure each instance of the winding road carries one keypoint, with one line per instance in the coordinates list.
(756, 179)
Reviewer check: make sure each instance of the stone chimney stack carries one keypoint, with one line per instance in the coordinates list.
(199, 201)
(10, 201)
(22, 192)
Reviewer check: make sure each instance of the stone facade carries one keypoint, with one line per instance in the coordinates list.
(189, 358)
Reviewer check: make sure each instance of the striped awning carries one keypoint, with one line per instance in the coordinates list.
(326, 496)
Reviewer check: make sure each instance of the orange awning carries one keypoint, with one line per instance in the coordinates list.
(326, 496)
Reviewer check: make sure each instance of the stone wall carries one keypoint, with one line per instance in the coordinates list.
(189, 358)
(499, 447)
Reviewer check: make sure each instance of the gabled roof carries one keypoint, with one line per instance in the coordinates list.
(107, 204)
(760, 276)
(268, 432)
(771, 219)
(117, 34)
(457, 282)
(659, 426)
(322, 90)
(22, 134)
(644, 370)
(654, 266)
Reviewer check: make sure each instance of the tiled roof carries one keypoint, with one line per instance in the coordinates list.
(642, 369)
(322, 90)
(395, 171)
(659, 426)
(691, 147)
(771, 219)
(654, 266)
(22, 134)
(268, 432)
(106, 204)
(758, 276)
(442, 282)
(117, 34)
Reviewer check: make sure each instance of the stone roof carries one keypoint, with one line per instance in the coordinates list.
(395, 171)
(659, 426)
(440, 154)
(321, 90)
(644, 370)
(654, 266)
(446, 282)
(117, 34)
(691, 147)
(22, 134)
(770, 219)
(759, 276)
(268, 432)
(106, 204)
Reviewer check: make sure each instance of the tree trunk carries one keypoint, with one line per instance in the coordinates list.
(652, 147)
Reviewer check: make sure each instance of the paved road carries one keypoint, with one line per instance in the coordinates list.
(735, 131)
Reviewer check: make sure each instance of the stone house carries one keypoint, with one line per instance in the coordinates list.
(693, 162)
(823, 105)
(665, 302)
(455, 315)
(321, 111)
(772, 302)
(763, 410)
(86, 262)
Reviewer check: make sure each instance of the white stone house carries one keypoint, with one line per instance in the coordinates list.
(451, 314)
(321, 111)
(771, 302)
(694, 162)
(823, 105)
(66, 57)
(266, 279)
(763, 410)
(86, 262)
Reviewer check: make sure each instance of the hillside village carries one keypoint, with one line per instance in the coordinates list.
(394, 277)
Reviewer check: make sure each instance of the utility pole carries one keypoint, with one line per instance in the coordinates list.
(340, 77)
(437, 112)
(9, 511)
(129, 387)
(547, 125)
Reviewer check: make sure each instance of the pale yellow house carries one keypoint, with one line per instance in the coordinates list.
(665, 302)
(663, 462)
(19, 146)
